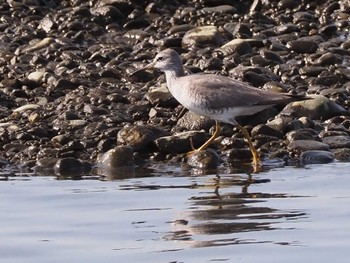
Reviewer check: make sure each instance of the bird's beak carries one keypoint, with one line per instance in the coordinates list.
(149, 66)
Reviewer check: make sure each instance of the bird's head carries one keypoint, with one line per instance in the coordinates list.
(166, 60)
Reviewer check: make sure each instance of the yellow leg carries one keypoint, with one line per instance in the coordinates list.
(255, 154)
(208, 142)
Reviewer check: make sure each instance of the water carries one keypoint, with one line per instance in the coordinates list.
(282, 215)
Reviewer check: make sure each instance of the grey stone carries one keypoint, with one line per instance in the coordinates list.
(181, 142)
(203, 35)
(339, 141)
(316, 157)
(307, 145)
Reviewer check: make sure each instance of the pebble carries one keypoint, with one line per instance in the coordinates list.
(26, 107)
(38, 45)
(202, 36)
(228, 9)
(240, 46)
(302, 46)
(36, 76)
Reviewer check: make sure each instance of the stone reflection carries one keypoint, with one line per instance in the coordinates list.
(217, 219)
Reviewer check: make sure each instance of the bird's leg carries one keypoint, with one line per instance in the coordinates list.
(255, 154)
(208, 142)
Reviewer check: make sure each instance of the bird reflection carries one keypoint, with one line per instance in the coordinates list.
(217, 219)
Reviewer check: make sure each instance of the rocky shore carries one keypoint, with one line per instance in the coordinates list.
(69, 102)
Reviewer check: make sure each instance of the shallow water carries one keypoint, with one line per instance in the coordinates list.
(281, 215)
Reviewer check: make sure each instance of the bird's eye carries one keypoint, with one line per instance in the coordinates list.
(160, 59)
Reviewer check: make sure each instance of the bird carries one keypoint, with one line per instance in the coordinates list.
(218, 97)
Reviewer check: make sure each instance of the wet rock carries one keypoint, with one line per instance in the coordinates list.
(266, 130)
(219, 9)
(239, 155)
(38, 45)
(326, 133)
(316, 157)
(206, 159)
(327, 59)
(239, 30)
(302, 134)
(137, 34)
(61, 139)
(45, 163)
(342, 154)
(303, 46)
(312, 71)
(319, 107)
(140, 138)
(239, 46)
(106, 144)
(339, 141)
(192, 121)
(286, 29)
(200, 36)
(26, 108)
(109, 13)
(74, 145)
(307, 123)
(181, 142)
(307, 145)
(280, 122)
(294, 125)
(180, 29)
(120, 156)
(69, 166)
(260, 140)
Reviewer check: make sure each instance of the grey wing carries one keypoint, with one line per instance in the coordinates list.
(222, 92)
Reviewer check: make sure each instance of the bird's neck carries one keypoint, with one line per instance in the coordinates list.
(172, 75)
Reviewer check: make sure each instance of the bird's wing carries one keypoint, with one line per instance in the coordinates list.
(223, 92)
